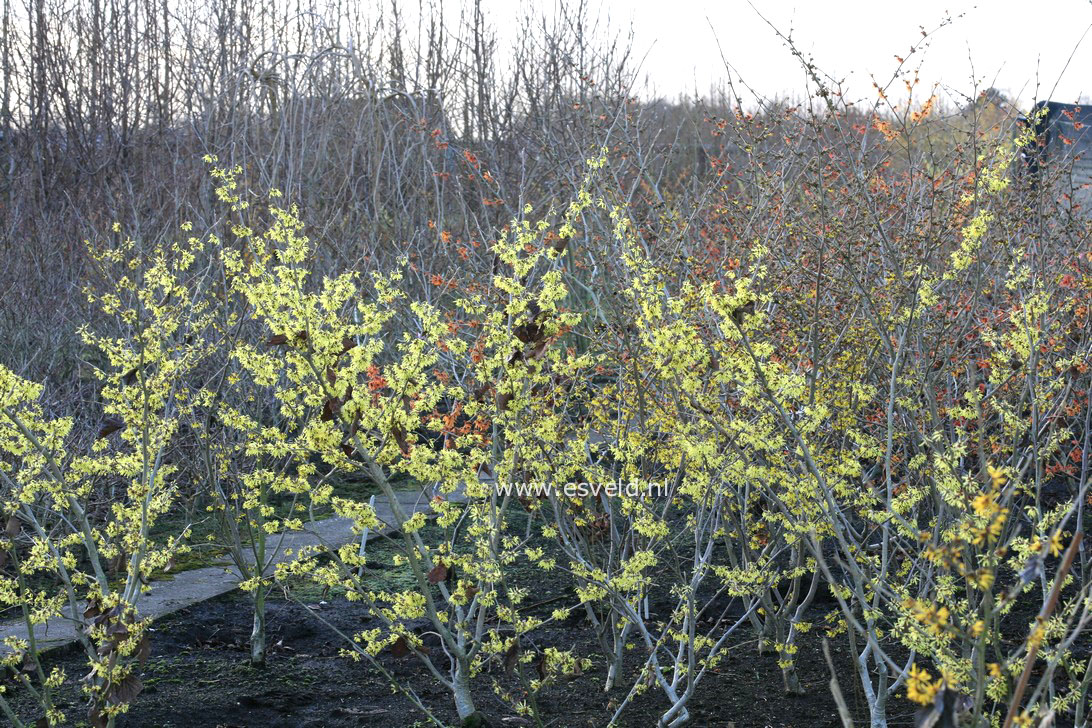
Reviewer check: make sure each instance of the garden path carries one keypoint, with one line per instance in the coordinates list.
(197, 585)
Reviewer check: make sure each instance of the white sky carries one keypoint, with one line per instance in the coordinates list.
(1016, 46)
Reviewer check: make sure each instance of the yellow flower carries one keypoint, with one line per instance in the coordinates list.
(983, 578)
(984, 504)
(1056, 546)
(940, 621)
(920, 686)
(1038, 632)
(996, 526)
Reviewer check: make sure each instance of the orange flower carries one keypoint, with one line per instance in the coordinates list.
(375, 380)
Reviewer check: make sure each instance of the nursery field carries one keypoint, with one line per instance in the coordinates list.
(472, 388)
(197, 672)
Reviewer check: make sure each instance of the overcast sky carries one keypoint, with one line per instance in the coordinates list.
(1020, 47)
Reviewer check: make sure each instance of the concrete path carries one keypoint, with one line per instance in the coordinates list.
(197, 585)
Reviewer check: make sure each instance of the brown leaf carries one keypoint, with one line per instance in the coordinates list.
(437, 574)
(528, 333)
(127, 690)
(400, 437)
(347, 344)
(144, 651)
(110, 425)
(96, 718)
(277, 340)
(538, 351)
(11, 530)
(118, 630)
(400, 648)
(742, 312)
(130, 376)
(4, 556)
(511, 656)
(540, 666)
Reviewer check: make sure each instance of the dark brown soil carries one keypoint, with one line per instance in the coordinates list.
(198, 677)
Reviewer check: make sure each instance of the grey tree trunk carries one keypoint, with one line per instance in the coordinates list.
(257, 633)
(464, 701)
